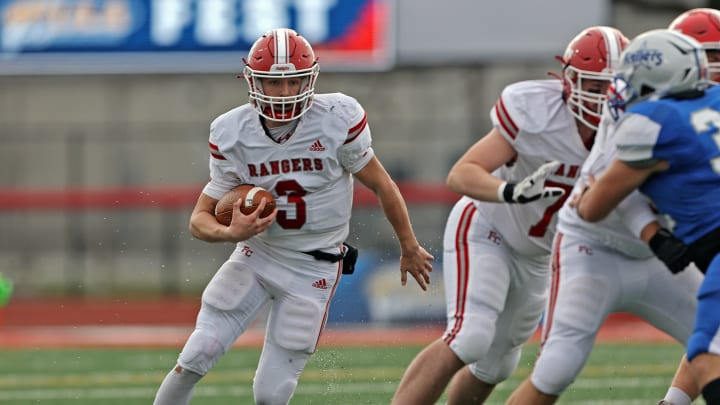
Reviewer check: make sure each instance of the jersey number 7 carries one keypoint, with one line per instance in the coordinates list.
(539, 229)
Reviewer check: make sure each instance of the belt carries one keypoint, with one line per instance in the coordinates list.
(327, 257)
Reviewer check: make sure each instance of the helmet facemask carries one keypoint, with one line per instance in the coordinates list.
(286, 108)
(586, 104)
(712, 51)
(618, 98)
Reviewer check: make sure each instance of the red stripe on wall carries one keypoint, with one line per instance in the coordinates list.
(180, 196)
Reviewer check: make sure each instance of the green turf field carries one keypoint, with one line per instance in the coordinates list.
(615, 374)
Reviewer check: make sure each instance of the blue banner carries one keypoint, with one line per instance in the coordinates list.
(136, 36)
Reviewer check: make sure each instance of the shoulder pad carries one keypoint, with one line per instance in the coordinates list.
(225, 128)
(526, 106)
(340, 105)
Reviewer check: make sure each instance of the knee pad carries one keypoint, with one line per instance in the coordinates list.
(277, 375)
(473, 342)
(513, 328)
(295, 324)
(201, 352)
(471, 329)
(274, 393)
(496, 368)
(557, 368)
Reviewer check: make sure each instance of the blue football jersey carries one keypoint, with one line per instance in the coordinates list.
(686, 134)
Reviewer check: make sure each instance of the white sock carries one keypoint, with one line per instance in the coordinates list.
(676, 396)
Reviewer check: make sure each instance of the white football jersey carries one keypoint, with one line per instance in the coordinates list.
(532, 116)
(620, 230)
(309, 174)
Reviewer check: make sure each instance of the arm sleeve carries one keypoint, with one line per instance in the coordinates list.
(636, 212)
(636, 138)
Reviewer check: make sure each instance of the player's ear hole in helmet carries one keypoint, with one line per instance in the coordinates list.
(281, 55)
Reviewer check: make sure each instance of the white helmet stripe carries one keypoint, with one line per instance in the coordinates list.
(613, 46)
(281, 46)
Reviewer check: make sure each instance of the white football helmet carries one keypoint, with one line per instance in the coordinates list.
(278, 54)
(657, 64)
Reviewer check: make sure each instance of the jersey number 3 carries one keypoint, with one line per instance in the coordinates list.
(295, 193)
(704, 120)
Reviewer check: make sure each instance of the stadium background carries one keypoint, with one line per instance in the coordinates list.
(101, 165)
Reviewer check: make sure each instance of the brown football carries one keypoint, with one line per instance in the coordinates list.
(251, 195)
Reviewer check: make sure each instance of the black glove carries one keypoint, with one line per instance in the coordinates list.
(350, 256)
(671, 250)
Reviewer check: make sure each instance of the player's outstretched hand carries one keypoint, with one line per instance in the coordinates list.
(532, 187)
(417, 262)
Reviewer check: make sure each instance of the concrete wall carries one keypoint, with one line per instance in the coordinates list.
(152, 129)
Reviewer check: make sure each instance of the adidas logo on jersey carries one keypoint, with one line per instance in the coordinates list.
(321, 284)
(317, 146)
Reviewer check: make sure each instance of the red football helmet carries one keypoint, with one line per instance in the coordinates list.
(703, 24)
(281, 53)
(591, 55)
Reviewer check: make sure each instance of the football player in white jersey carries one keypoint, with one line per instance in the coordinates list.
(498, 236)
(607, 267)
(305, 149)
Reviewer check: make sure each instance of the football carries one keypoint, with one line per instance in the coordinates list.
(251, 195)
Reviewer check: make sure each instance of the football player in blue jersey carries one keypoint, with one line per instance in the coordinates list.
(668, 147)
